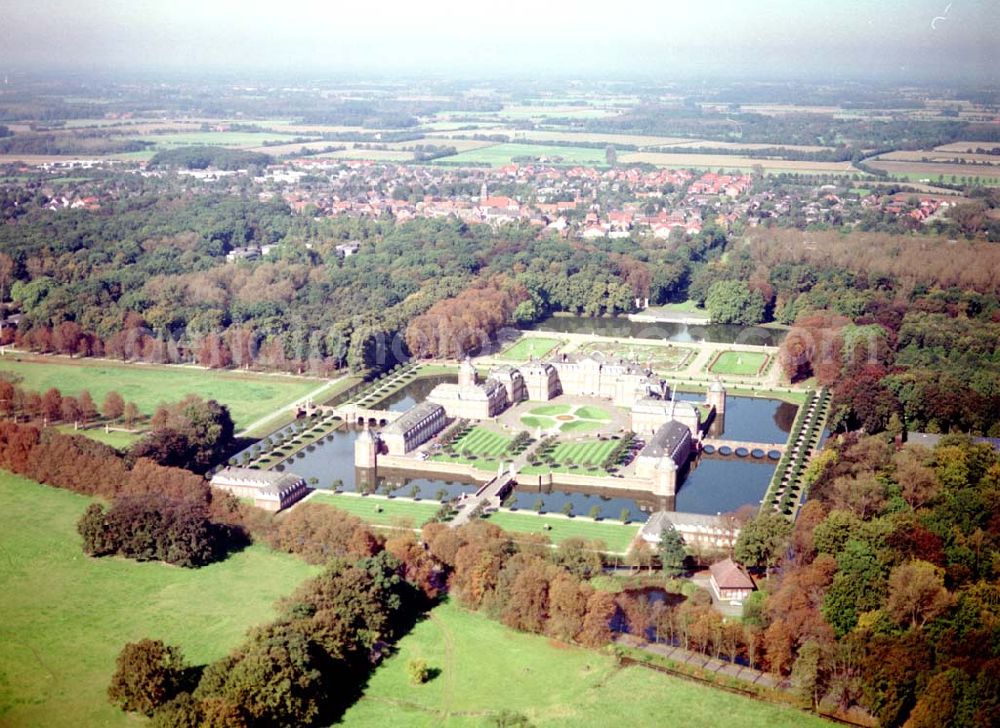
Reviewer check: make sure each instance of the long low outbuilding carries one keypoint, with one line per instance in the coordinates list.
(269, 490)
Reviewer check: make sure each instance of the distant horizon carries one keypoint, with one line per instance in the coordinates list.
(922, 43)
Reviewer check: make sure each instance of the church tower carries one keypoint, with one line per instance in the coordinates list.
(483, 194)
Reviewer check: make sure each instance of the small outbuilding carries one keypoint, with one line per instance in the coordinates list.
(730, 582)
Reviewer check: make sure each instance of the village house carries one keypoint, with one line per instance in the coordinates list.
(730, 583)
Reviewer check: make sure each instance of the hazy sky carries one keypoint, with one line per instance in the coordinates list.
(774, 38)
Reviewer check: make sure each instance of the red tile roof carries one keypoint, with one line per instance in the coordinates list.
(728, 575)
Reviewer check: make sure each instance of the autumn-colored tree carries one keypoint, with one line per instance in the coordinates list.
(52, 404)
(66, 338)
(601, 609)
(916, 593)
(70, 409)
(567, 607)
(147, 674)
(131, 414)
(7, 407)
(88, 410)
(114, 406)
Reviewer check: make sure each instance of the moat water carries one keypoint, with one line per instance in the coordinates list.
(621, 326)
(712, 484)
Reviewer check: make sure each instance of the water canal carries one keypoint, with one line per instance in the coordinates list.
(622, 327)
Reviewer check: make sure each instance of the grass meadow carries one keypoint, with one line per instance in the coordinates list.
(483, 668)
(248, 396)
(66, 616)
(616, 536)
(381, 511)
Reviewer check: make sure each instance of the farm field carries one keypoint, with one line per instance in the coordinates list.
(733, 161)
(660, 358)
(66, 616)
(940, 156)
(215, 138)
(393, 510)
(551, 684)
(966, 146)
(248, 396)
(570, 136)
(528, 347)
(990, 174)
(738, 363)
(616, 536)
(376, 155)
(500, 154)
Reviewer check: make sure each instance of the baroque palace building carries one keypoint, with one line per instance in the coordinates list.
(625, 384)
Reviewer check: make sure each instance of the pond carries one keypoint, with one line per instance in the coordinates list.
(621, 326)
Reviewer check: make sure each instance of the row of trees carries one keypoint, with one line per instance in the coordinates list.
(53, 406)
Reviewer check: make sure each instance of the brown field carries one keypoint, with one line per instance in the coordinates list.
(632, 139)
(730, 161)
(932, 170)
(962, 146)
(939, 155)
(777, 109)
(377, 155)
(736, 146)
(569, 136)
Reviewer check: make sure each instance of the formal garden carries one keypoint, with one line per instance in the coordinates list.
(739, 363)
(530, 347)
(567, 418)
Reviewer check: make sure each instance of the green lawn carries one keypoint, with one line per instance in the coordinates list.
(486, 668)
(378, 510)
(249, 396)
(120, 440)
(590, 452)
(738, 363)
(66, 616)
(530, 346)
(480, 441)
(568, 418)
(616, 536)
(590, 412)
